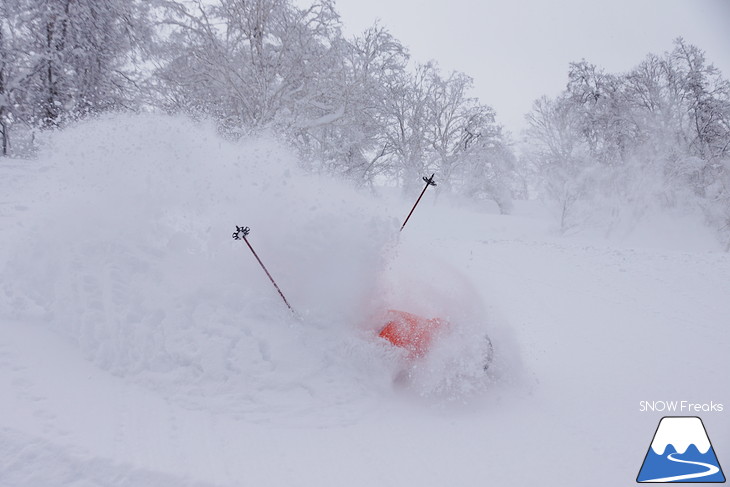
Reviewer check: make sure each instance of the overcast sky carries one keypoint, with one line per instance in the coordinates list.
(519, 50)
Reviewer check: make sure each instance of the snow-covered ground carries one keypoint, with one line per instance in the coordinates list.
(141, 346)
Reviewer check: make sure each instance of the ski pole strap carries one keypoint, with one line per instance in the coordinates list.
(429, 182)
(240, 234)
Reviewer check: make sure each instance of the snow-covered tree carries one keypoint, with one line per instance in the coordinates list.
(10, 71)
(405, 124)
(657, 135)
(488, 170)
(250, 64)
(82, 56)
(374, 63)
(560, 156)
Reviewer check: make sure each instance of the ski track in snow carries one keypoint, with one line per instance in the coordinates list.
(150, 351)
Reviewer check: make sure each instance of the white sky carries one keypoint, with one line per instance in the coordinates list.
(519, 50)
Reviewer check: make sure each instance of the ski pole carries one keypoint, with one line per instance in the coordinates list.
(429, 182)
(240, 234)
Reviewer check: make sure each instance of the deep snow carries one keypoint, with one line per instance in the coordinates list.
(140, 345)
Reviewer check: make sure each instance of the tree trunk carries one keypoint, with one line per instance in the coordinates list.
(49, 115)
(6, 139)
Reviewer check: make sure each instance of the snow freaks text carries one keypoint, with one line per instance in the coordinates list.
(680, 407)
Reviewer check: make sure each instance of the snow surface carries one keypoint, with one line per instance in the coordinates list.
(141, 346)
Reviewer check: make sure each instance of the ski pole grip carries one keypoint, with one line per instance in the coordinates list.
(241, 232)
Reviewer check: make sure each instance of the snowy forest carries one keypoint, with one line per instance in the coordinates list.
(610, 147)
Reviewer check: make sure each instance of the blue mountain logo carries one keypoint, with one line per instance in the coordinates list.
(681, 452)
